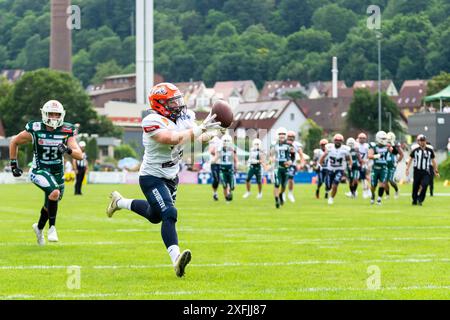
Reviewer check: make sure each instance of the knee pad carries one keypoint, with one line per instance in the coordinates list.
(170, 213)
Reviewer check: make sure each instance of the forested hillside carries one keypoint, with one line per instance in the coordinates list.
(262, 40)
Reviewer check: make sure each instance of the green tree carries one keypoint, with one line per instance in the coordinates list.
(104, 70)
(312, 134)
(296, 14)
(83, 68)
(309, 40)
(363, 112)
(92, 150)
(34, 88)
(105, 50)
(334, 19)
(437, 83)
(124, 151)
(35, 54)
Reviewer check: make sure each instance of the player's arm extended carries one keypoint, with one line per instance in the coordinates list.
(23, 137)
(172, 137)
(372, 155)
(400, 153)
(76, 151)
(302, 158)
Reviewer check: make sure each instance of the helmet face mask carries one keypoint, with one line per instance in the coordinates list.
(166, 99)
(256, 143)
(390, 138)
(48, 111)
(226, 140)
(351, 142)
(338, 139)
(381, 138)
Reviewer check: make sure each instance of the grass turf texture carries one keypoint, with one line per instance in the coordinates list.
(243, 250)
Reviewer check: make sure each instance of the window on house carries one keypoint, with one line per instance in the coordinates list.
(248, 115)
(257, 115)
(238, 116)
(271, 114)
(104, 150)
(292, 116)
(263, 115)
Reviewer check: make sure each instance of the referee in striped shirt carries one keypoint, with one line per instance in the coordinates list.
(423, 158)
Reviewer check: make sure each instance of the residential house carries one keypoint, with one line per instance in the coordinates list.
(12, 75)
(116, 88)
(410, 98)
(236, 92)
(262, 118)
(273, 90)
(387, 86)
(321, 89)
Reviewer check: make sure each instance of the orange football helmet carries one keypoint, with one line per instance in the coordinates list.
(166, 99)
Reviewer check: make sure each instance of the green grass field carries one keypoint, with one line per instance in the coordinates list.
(244, 250)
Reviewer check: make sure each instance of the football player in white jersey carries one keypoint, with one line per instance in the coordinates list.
(256, 162)
(364, 176)
(165, 131)
(338, 159)
(394, 157)
(226, 156)
(321, 170)
(215, 145)
(296, 153)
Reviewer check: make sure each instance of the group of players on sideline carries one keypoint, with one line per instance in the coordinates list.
(372, 164)
(168, 127)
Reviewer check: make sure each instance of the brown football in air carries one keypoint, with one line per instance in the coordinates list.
(224, 113)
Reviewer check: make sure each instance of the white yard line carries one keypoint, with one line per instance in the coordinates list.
(220, 292)
(232, 264)
(227, 230)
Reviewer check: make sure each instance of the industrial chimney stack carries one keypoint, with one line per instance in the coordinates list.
(334, 72)
(60, 36)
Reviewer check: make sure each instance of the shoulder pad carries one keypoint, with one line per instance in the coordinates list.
(33, 126)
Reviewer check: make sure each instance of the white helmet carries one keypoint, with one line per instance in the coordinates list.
(390, 137)
(281, 130)
(82, 144)
(256, 143)
(351, 142)
(226, 140)
(53, 106)
(381, 138)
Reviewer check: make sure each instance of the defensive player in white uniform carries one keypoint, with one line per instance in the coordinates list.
(256, 162)
(321, 170)
(226, 156)
(338, 159)
(165, 131)
(296, 155)
(364, 175)
(214, 145)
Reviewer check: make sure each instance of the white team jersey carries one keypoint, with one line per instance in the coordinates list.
(337, 158)
(162, 160)
(363, 149)
(226, 156)
(255, 156)
(317, 154)
(215, 143)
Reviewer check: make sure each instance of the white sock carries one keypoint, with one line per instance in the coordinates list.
(124, 203)
(174, 252)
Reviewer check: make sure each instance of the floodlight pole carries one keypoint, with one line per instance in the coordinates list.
(379, 35)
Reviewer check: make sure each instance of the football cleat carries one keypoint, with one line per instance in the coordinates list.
(330, 200)
(39, 235)
(215, 197)
(246, 195)
(259, 196)
(372, 201)
(291, 197)
(348, 194)
(112, 207)
(182, 261)
(52, 236)
(396, 195)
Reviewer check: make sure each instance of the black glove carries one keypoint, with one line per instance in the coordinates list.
(16, 171)
(63, 148)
